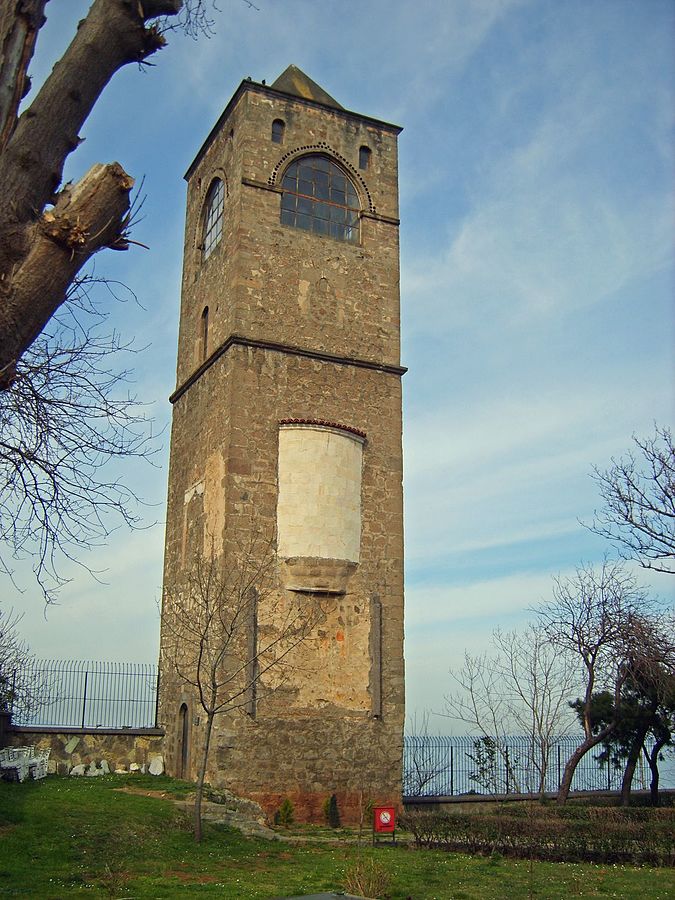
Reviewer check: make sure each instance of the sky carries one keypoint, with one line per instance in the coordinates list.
(537, 285)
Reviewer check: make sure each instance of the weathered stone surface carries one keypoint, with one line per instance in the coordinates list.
(97, 752)
(243, 807)
(301, 328)
(72, 744)
(78, 770)
(156, 765)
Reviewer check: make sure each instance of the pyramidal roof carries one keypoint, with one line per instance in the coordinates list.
(294, 81)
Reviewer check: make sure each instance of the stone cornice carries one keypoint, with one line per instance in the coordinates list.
(237, 340)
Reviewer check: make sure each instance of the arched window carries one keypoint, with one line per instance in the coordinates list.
(278, 128)
(204, 334)
(318, 196)
(213, 217)
(364, 157)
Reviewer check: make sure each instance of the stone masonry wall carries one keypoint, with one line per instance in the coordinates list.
(95, 751)
(331, 719)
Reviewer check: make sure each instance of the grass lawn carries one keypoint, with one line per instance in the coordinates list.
(63, 837)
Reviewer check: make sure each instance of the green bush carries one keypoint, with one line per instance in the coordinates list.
(285, 814)
(331, 811)
(569, 833)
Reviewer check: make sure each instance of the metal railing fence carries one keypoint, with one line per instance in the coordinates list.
(86, 694)
(447, 766)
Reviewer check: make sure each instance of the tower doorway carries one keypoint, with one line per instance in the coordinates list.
(184, 738)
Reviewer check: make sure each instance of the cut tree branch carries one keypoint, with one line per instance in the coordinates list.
(86, 218)
(113, 34)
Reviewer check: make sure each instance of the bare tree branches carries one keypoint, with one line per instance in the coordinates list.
(423, 765)
(66, 416)
(602, 621)
(63, 410)
(214, 644)
(638, 491)
(522, 687)
(15, 661)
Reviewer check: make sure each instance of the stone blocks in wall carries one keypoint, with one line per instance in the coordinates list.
(92, 753)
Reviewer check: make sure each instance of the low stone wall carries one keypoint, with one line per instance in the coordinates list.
(79, 751)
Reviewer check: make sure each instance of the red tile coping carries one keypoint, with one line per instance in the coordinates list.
(326, 424)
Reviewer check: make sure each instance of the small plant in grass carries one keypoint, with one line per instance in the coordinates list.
(367, 878)
(331, 811)
(284, 815)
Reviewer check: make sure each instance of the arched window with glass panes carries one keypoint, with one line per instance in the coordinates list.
(213, 217)
(319, 196)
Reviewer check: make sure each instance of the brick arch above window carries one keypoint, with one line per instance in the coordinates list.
(319, 196)
(324, 149)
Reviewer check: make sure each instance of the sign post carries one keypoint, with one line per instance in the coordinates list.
(384, 822)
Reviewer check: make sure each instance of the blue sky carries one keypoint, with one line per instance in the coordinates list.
(536, 282)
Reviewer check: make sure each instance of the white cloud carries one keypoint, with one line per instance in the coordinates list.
(486, 600)
(549, 227)
(533, 186)
(112, 618)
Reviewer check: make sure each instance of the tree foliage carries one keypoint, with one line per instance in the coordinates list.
(646, 709)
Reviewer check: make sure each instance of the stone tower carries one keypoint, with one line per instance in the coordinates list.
(286, 439)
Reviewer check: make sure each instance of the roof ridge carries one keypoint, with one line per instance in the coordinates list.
(294, 81)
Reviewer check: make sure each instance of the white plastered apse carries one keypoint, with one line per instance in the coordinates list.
(319, 506)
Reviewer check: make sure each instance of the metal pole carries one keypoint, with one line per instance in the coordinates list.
(506, 759)
(157, 699)
(558, 787)
(84, 698)
(452, 770)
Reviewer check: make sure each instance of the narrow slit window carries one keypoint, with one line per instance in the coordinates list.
(278, 128)
(364, 158)
(213, 217)
(204, 334)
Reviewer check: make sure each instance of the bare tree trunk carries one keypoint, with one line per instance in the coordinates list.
(575, 759)
(542, 747)
(653, 760)
(631, 763)
(20, 22)
(113, 34)
(202, 777)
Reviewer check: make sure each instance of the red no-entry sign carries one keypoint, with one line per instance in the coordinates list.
(384, 821)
